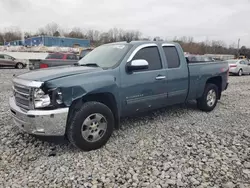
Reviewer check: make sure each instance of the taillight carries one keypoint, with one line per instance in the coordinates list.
(233, 65)
(43, 65)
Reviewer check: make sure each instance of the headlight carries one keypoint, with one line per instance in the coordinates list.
(53, 98)
(40, 99)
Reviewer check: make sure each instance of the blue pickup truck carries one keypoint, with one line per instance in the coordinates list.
(85, 101)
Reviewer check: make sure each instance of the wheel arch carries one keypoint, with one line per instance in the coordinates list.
(106, 98)
(217, 80)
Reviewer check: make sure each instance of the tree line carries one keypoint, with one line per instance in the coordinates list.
(115, 35)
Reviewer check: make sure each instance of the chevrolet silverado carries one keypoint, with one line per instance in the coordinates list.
(85, 101)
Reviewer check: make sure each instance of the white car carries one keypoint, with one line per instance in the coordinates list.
(239, 66)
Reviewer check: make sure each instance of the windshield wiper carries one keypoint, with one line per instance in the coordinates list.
(90, 64)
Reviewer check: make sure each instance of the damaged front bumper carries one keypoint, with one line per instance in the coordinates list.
(40, 122)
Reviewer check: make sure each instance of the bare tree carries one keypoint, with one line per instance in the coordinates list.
(41, 31)
(1, 39)
(12, 33)
(93, 35)
(76, 32)
(57, 34)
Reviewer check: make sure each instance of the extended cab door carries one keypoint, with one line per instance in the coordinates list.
(145, 89)
(177, 73)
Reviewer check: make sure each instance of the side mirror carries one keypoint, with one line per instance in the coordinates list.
(138, 64)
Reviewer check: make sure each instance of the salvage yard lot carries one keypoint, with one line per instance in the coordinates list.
(178, 146)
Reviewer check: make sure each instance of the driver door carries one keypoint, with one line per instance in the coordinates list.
(146, 89)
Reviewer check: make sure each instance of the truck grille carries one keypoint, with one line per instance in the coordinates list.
(23, 96)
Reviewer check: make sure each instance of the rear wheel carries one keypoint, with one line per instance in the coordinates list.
(91, 127)
(209, 99)
(240, 72)
(19, 65)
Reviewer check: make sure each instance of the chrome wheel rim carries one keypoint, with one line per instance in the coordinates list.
(94, 127)
(211, 98)
(240, 72)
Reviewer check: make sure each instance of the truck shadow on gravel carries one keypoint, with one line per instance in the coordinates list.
(128, 122)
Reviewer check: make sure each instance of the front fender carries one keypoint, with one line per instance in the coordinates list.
(73, 89)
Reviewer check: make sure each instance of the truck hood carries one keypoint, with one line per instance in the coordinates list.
(56, 72)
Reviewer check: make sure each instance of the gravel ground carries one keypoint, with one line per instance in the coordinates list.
(175, 147)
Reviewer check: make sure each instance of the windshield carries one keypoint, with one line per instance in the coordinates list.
(232, 61)
(106, 56)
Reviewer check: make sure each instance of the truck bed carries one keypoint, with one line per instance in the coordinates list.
(200, 72)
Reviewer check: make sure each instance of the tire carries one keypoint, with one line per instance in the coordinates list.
(79, 129)
(240, 72)
(208, 105)
(19, 66)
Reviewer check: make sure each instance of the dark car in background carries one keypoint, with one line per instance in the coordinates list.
(9, 61)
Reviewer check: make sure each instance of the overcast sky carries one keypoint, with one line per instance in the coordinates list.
(225, 20)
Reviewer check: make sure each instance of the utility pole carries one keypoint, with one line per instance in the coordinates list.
(238, 48)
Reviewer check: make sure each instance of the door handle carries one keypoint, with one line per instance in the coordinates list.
(159, 77)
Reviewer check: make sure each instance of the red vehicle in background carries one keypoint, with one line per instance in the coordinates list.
(53, 60)
(62, 56)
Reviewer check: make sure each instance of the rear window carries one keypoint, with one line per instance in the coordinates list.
(172, 56)
(55, 56)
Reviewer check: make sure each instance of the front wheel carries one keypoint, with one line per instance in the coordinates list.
(19, 66)
(91, 127)
(209, 99)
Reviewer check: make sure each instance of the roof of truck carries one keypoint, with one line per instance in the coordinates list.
(144, 42)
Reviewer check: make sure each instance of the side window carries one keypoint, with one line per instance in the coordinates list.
(1, 57)
(151, 55)
(172, 56)
(7, 57)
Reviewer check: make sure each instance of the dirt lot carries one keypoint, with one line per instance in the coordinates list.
(175, 147)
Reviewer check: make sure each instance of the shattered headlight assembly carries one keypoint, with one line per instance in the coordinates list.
(41, 99)
(53, 98)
